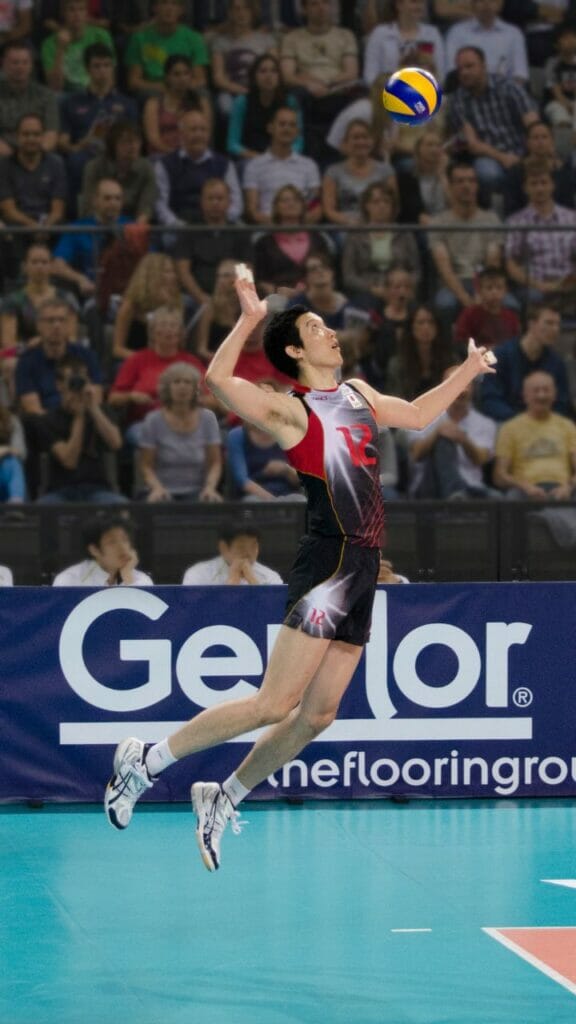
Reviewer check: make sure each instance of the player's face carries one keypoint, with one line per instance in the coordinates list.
(320, 343)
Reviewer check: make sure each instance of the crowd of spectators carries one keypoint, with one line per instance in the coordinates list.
(147, 147)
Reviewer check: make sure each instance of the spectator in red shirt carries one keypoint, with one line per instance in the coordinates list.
(136, 386)
(488, 321)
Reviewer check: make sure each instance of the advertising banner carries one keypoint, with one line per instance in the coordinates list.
(463, 690)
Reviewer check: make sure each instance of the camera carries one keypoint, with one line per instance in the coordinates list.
(76, 382)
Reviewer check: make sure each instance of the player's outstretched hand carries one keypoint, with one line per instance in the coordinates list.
(484, 359)
(251, 305)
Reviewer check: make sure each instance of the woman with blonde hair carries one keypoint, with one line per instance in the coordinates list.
(180, 455)
(154, 283)
(219, 314)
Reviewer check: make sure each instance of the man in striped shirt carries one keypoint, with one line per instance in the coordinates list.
(543, 262)
(488, 113)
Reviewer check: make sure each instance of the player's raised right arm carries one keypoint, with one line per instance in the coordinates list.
(244, 398)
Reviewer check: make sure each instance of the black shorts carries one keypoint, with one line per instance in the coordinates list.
(331, 589)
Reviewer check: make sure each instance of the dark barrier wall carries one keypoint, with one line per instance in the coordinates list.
(463, 690)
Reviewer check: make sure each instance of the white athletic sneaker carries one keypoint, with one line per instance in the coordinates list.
(129, 781)
(213, 811)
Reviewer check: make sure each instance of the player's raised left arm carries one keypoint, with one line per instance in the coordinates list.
(415, 415)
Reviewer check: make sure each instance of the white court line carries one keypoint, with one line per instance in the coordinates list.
(570, 883)
(410, 930)
(530, 958)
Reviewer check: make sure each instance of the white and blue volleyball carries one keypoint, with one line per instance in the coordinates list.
(412, 96)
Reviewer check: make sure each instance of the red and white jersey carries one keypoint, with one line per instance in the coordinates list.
(337, 462)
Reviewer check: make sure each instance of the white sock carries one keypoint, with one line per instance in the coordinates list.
(159, 757)
(234, 789)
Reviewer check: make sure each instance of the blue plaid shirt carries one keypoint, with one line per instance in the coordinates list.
(496, 114)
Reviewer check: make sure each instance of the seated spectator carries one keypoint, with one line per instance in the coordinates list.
(345, 183)
(198, 253)
(48, 13)
(33, 185)
(62, 53)
(489, 114)
(162, 111)
(15, 20)
(36, 385)
(135, 389)
(219, 314)
(237, 562)
(280, 256)
(123, 162)
(542, 262)
(540, 145)
(6, 576)
(164, 37)
(235, 46)
(81, 258)
(422, 356)
(251, 111)
(501, 42)
(112, 557)
(424, 190)
(87, 115)
(180, 175)
(367, 256)
(76, 436)
(280, 166)
(257, 465)
(21, 95)
(179, 444)
(501, 394)
(154, 283)
(449, 455)
(321, 61)
(458, 255)
(319, 294)
(487, 320)
(536, 449)
(560, 79)
(390, 324)
(12, 457)
(19, 309)
(403, 42)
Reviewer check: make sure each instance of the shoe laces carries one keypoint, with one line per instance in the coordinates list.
(136, 779)
(224, 812)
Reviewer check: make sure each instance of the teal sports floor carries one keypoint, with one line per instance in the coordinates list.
(326, 913)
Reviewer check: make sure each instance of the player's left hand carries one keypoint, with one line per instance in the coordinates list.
(483, 358)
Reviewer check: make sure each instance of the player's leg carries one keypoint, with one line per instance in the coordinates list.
(293, 663)
(214, 806)
(316, 712)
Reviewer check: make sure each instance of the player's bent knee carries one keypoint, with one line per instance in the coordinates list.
(318, 721)
(271, 712)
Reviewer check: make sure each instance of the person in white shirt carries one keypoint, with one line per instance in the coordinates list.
(279, 166)
(237, 563)
(113, 558)
(6, 577)
(450, 454)
(503, 43)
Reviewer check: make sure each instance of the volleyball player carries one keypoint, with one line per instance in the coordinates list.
(329, 433)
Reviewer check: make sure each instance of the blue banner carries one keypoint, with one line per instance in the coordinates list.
(462, 691)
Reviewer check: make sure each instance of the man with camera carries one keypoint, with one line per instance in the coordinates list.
(77, 436)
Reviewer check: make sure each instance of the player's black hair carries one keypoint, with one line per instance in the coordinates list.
(229, 533)
(94, 529)
(280, 331)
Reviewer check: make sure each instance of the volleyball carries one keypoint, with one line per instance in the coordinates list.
(412, 96)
